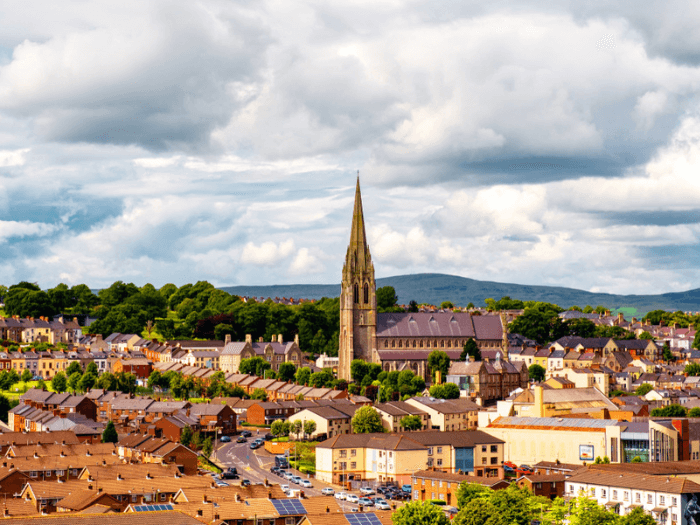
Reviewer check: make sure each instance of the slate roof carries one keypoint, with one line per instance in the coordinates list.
(439, 324)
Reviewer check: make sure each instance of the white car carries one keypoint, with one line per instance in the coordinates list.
(340, 495)
(305, 483)
(328, 491)
(352, 498)
(367, 491)
(382, 505)
(284, 488)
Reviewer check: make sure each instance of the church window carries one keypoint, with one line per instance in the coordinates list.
(356, 294)
(386, 344)
(442, 344)
(366, 293)
(393, 344)
(414, 343)
(421, 343)
(400, 343)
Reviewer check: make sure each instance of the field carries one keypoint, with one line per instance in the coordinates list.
(21, 387)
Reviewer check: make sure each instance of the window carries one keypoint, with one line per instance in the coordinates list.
(353, 452)
(483, 461)
(162, 496)
(638, 497)
(33, 474)
(627, 496)
(483, 448)
(432, 482)
(439, 450)
(430, 462)
(415, 482)
(343, 465)
(288, 521)
(494, 460)
(353, 465)
(674, 501)
(662, 500)
(614, 495)
(344, 453)
(430, 451)
(649, 498)
(415, 494)
(604, 493)
(494, 449)
(134, 498)
(432, 495)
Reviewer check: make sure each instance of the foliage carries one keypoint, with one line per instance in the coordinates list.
(254, 366)
(602, 461)
(445, 391)
(5, 407)
(186, 436)
(643, 389)
(259, 394)
(614, 332)
(59, 382)
(468, 491)
(366, 421)
(87, 381)
(666, 353)
(470, 349)
(637, 516)
(309, 428)
(386, 299)
(207, 447)
(411, 422)
(27, 375)
(286, 371)
(321, 379)
(694, 412)
(438, 360)
(645, 335)
(504, 303)
(537, 372)
(302, 375)
(419, 513)
(296, 427)
(280, 428)
(74, 367)
(109, 435)
(692, 369)
(540, 322)
(670, 411)
(447, 305)
(636, 459)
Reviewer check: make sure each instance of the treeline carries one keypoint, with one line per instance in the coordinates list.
(191, 311)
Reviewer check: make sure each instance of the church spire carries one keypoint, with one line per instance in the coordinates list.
(358, 252)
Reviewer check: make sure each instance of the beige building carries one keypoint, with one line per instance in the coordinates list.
(448, 414)
(330, 420)
(274, 352)
(394, 411)
(552, 402)
(529, 440)
(584, 378)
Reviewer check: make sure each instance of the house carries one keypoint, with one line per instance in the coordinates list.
(394, 411)
(330, 420)
(488, 381)
(547, 485)
(429, 485)
(447, 414)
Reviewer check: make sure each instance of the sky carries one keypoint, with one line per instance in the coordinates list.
(505, 141)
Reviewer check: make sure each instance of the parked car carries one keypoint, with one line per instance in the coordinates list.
(220, 483)
(367, 491)
(327, 491)
(366, 502)
(281, 462)
(352, 498)
(296, 480)
(255, 444)
(284, 488)
(225, 439)
(382, 505)
(274, 470)
(510, 464)
(245, 483)
(289, 475)
(305, 483)
(241, 439)
(281, 473)
(230, 473)
(340, 495)
(526, 468)
(269, 437)
(354, 509)
(406, 488)
(246, 433)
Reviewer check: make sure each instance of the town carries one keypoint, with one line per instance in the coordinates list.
(415, 412)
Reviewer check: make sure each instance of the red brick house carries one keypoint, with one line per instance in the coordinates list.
(140, 367)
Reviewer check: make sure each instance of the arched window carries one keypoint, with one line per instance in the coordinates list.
(356, 293)
(393, 343)
(414, 343)
(400, 343)
(386, 344)
(421, 343)
(366, 293)
(442, 344)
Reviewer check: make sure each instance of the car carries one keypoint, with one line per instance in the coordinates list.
(367, 491)
(274, 470)
(225, 439)
(510, 464)
(296, 480)
(284, 488)
(306, 484)
(366, 502)
(241, 439)
(327, 491)
(220, 483)
(245, 483)
(269, 437)
(230, 473)
(281, 462)
(281, 472)
(354, 509)
(382, 505)
(289, 475)
(246, 433)
(254, 445)
(340, 495)
(352, 498)
(526, 468)
(406, 488)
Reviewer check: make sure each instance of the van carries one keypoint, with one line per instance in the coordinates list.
(281, 462)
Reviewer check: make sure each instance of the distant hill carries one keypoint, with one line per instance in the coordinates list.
(435, 288)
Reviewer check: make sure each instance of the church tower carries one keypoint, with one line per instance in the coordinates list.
(358, 299)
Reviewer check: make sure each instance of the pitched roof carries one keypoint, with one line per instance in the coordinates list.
(635, 480)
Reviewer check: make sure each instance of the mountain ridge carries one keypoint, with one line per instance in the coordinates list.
(434, 288)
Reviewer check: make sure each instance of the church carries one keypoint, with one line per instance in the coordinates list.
(399, 341)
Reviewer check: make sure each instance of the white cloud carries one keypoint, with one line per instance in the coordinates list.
(9, 229)
(267, 253)
(305, 263)
(13, 157)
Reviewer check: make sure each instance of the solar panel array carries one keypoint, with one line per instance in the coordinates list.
(368, 518)
(288, 507)
(151, 508)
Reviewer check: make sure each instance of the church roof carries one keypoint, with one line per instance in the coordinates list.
(439, 324)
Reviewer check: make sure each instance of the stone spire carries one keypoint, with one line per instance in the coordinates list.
(358, 257)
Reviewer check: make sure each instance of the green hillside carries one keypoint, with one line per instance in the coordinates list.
(434, 288)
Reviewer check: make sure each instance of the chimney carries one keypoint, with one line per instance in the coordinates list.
(99, 489)
(539, 401)
(6, 512)
(280, 339)
(296, 339)
(90, 486)
(227, 339)
(248, 338)
(204, 498)
(260, 339)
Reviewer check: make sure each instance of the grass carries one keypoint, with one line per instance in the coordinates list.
(21, 387)
(306, 456)
(205, 464)
(246, 424)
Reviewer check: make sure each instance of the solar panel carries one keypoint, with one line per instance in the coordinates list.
(151, 508)
(288, 507)
(369, 518)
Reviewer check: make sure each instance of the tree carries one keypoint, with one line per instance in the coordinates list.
(358, 369)
(692, 369)
(109, 435)
(637, 517)
(296, 427)
(186, 436)
(321, 379)
(694, 412)
(26, 375)
(87, 381)
(91, 368)
(309, 428)
(444, 391)
(59, 383)
(259, 394)
(540, 322)
(302, 375)
(645, 335)
(411, 423)
(207, 447)
(446, 305)
(386, 298)
(580, 327)
(277, 428)
(366, 421)
(286, 371)
(155, 379)
(643, 389)
(74, 367)
(468, 491)
(438, 360)
(670, 411)
(254, 366)
(536, 372)
(107, 381)
(237, 391)
(666, 353)
(470, 349)
(126, 382)
(419, 513)
(412, 306)
(5, 407)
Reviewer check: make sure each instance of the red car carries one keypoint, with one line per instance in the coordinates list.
(510, 464)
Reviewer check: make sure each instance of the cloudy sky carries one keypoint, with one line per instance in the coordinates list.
(515, 142)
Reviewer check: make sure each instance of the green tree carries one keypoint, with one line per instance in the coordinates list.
(419, 513)
(221, 330)
(645, 335)
(155, 379)
(468, 491)
(540, 322)
(126, 382)
(91, 368)
(259, 394)
(109, 435)
(614, 332)
(186, 436)
(296, 427)
(286, 371)
(322, 379)
(643, 389)
(237, 391)
(74, 367)
(438, 360)
(444, 391)
(670, 411)
(470, 349)
(692, 369)
(207, 447)
(302, 375)
(107, 381)
(5, 407)
(277, 428)
(446, 305)
(254, 366)
(666, 353)
(309, 428)
(26, 375)
(580, 327)
(59, 383)
(386, 298)
(637, 516)
(536, 372)
(87, 381)
(694, 412)
(411, 423)
(358, 369)
(366, 421)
